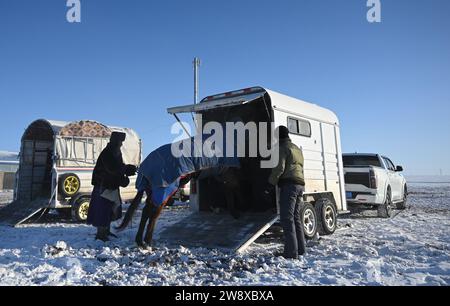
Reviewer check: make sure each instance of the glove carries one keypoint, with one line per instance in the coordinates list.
(130, 170)
(124, 182)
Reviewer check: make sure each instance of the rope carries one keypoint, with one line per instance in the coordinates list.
(48, 206)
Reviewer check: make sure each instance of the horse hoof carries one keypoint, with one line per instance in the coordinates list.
(140, 243)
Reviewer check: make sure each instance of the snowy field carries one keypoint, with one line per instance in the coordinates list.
(412, 248)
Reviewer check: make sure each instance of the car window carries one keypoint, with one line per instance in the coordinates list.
(361, 160)
(389, 164)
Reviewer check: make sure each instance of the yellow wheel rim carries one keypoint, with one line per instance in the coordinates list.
(83, 210)
(71, 185)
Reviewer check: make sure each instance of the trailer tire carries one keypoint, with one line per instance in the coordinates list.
(69, 185)
(385, 210)
(80, 208)
(327, 216)
(402, 205)
(309, 220)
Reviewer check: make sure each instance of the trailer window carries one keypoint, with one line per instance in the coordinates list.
(299, 127)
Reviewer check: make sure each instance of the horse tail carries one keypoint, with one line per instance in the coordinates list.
(130, 212)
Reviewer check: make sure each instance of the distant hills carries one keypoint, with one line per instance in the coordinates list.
(427, 178)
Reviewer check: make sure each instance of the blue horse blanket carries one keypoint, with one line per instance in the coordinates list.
(162, 170)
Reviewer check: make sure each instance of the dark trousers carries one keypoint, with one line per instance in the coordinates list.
(291, 221)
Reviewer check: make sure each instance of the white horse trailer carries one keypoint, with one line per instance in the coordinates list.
(313, 128)
(56, 163)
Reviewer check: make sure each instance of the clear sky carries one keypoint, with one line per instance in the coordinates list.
(127, 61)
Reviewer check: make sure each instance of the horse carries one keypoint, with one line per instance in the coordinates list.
(150, 214)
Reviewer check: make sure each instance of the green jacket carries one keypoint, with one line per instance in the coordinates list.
(290, 165)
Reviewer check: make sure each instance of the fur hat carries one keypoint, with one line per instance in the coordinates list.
(117, 137)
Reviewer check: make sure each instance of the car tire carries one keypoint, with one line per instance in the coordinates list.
(402, 205)
(385, 210)
(80, 208)
(170, 202)
(309, 220)
(327, 216)
(69, 185)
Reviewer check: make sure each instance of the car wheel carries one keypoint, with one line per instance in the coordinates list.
(80, 209)
(309, 218)
(170, 202)
(69, 185)
(402, 205)
(385, 210)
(327, 216)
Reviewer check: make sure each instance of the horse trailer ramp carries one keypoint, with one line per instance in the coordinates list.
(18, 212)
(218, 231)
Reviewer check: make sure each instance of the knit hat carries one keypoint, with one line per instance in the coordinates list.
(283, 132)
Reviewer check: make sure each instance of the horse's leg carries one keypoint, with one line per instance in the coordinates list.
(151, 225)
(145, 216)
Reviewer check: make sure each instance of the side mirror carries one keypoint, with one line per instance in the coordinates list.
(399, 169)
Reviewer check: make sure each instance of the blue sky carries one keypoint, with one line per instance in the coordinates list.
(127, 61)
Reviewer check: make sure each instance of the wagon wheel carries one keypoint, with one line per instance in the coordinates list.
(69, 185)
(80, 208)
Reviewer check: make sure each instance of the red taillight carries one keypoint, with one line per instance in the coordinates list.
(373, 180)
(193, 186)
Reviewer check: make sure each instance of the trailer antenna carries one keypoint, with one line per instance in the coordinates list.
(196, 79)
(196, 64)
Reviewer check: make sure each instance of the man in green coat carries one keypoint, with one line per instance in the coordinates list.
(288, 176)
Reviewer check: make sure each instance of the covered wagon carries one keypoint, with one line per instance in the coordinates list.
(57, 160)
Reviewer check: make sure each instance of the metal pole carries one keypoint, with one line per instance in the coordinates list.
(196, 66)
(196, 63)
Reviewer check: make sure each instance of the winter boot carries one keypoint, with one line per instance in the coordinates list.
(102, 234)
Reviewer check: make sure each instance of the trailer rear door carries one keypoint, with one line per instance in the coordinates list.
(218, 231)
(216, 103)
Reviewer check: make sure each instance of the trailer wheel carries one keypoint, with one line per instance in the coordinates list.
(402, 205)
(309, 218)
(385, 210)
(80, 208)
(327, 216)
(69, 185)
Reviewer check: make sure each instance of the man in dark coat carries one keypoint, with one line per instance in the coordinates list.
(109, 174)
(289, 177)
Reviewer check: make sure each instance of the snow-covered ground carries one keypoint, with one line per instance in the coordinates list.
(413, 248)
